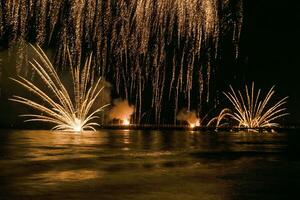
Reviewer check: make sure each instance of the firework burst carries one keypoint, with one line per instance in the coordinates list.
(169, 45)
(253, 111)
(68, 114)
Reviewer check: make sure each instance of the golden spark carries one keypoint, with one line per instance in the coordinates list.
(217, 120)
(67, 114)
(139, 44)
(252, 111)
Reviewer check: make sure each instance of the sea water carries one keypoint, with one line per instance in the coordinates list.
(144, 165)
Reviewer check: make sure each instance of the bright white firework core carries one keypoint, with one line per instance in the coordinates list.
(77, 126)
(125, 122)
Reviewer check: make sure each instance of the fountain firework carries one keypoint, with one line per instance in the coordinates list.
(67, 114)
(252, 111)
(162, 48)
(219, 118)
(122, 111)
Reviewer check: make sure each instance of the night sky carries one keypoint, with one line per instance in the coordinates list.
(269, 52)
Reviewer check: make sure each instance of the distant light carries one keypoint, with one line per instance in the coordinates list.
(125, 122)
(192, 125)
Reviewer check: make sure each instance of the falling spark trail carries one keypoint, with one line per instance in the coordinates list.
(135, 43)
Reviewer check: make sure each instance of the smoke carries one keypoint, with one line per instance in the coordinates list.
(188, 116)
(121, 110)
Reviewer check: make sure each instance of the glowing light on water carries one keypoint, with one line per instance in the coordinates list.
(57, 177)
(166, 47)
(122, 111)
(125, 122)
(193, 125)
(189, 117)
(253, 111)
(67, 113)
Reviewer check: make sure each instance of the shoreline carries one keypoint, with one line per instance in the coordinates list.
(172, 127)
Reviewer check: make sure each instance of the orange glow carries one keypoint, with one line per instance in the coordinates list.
(193, 125)
(125, 122)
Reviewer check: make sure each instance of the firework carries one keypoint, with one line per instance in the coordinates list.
(218, 119)
(161, 46)
(67, 113)
(251, 110)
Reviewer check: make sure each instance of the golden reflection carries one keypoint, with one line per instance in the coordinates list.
(126, 140)
(47, 145)
(56, 177)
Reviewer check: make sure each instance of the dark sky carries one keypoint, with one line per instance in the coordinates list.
(269, 53)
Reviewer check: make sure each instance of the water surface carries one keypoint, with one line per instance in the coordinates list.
(123, 164)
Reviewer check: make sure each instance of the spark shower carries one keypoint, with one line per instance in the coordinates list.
(162, 51)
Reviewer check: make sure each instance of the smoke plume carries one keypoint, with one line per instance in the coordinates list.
(188, 116)
(121, 110)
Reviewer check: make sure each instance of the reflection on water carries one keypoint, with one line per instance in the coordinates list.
(56, 177)
(125, 164)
